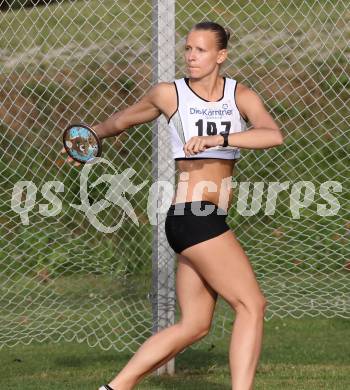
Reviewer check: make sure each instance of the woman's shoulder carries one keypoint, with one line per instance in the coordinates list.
(244, 92)
(163, 88)
(241, 88)
(238, 86)
(163, 94)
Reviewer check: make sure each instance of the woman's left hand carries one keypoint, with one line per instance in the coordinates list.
(199, 144)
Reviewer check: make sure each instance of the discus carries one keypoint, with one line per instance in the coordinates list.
(82, 143)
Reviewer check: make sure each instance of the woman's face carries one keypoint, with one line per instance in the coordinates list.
(202, 54)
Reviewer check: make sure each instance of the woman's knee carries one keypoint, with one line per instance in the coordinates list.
(195, 331)
(256, 306)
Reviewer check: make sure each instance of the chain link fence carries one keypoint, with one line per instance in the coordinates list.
(63, 279)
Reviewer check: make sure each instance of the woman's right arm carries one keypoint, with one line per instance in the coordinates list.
(160, 99)
(145, 110)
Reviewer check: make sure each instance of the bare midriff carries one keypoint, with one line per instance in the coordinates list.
(204, 179)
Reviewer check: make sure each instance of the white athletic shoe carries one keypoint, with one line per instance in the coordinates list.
(106, 387)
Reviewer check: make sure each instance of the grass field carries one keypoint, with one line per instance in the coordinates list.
(302, 354)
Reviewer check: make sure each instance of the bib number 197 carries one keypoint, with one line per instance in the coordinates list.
(211, 127)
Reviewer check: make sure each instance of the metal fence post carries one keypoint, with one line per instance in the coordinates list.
(163, 301)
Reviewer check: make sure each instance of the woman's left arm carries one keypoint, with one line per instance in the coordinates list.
(264, 132)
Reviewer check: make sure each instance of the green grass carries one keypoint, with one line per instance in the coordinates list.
(303, 354)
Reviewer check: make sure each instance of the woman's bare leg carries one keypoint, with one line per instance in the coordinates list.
(224, 265)
(196, 301)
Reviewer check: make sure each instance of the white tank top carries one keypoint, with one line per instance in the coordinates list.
(196, 116)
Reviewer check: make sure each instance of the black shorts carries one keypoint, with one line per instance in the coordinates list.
(190, 223)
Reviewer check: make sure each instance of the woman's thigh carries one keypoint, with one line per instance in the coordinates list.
(196, 299)
(222, 262)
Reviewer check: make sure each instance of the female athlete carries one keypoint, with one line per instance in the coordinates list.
(207, 115)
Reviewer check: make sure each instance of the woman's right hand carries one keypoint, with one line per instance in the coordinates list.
(69, 159)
